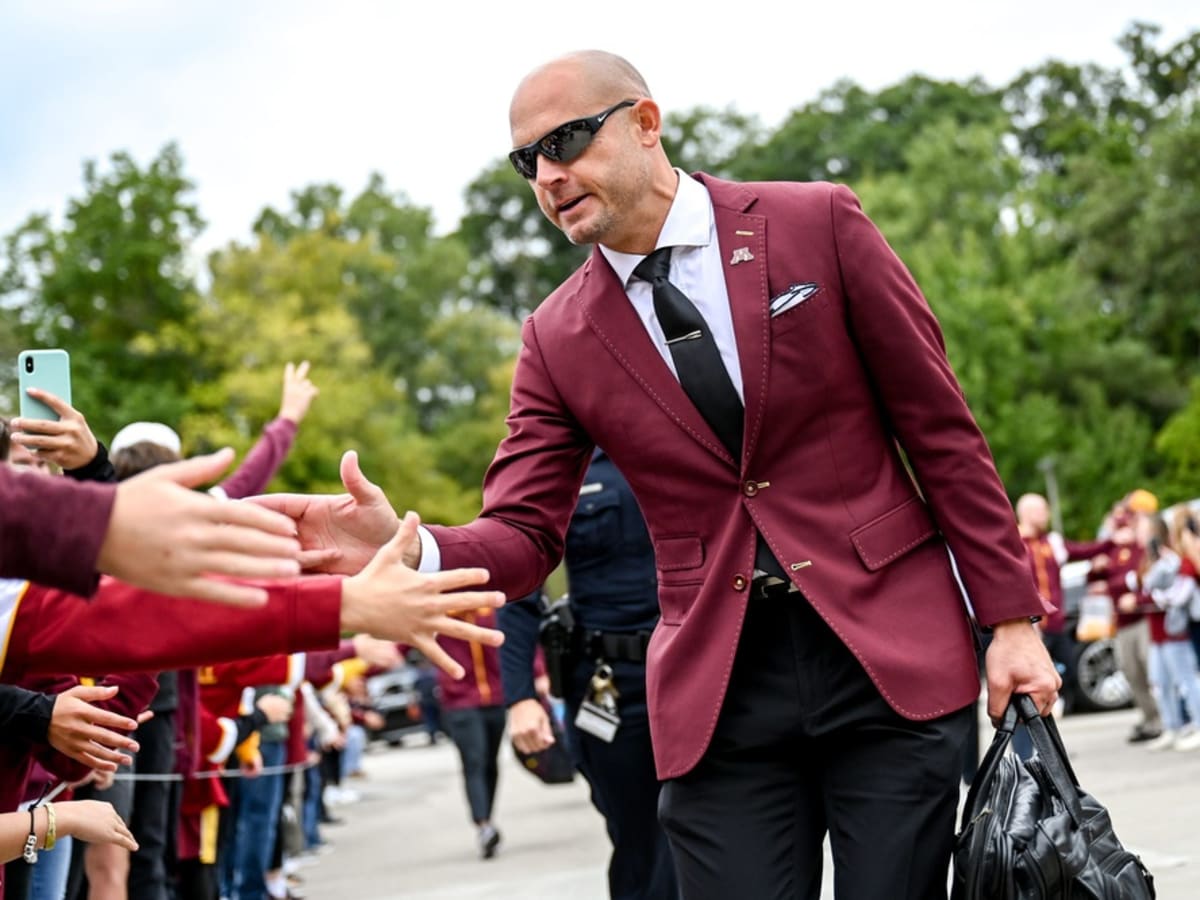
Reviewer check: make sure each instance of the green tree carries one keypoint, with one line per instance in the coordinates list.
(849, 132)
(402, 287)
(105, 282)
(272, 302)
(521, 257)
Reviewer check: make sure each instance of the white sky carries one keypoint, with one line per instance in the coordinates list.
(266, 97)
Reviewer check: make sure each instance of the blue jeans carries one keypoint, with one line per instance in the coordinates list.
(310, 816)
(352, 754)
(259, 800)
(1174, 678)
(48, 880)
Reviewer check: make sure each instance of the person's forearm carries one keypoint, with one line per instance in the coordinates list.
(519, 620)
(126, 629)
(262, 462)
(25, 714)
(14, 829)
(99, 469)
(53, 529)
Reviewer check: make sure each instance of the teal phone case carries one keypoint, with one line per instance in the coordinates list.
(49, 370)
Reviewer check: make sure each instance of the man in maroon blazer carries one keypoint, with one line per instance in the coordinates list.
(814, 669)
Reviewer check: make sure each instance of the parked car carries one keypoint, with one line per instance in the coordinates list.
(394, 696)
(1102, 685)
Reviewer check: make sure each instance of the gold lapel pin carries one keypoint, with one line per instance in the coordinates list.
(744, 233)
(741, 255)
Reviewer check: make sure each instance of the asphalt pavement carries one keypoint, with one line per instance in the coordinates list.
(409, 836)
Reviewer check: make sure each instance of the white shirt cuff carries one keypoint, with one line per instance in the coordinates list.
(431, 553)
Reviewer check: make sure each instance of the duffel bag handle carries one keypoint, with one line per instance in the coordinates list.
(1051, 753)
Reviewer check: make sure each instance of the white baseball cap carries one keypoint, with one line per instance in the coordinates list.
(154, 432)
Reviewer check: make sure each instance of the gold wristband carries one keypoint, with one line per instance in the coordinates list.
(51, 828)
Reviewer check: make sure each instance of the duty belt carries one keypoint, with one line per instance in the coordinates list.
(613, 646)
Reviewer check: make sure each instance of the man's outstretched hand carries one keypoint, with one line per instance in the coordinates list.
(390, 600)
(341, 533)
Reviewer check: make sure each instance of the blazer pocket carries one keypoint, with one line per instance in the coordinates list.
(890, 536)
(680, 562)
(793, 315)
(680, 559)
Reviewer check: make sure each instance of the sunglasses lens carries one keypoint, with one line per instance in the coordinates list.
(572, 140)
(524, 161)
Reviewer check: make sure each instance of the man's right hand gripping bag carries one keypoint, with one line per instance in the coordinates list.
(1030, 832)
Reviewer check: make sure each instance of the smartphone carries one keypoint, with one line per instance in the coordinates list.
(49, 370)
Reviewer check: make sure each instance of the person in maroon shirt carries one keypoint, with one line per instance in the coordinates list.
(1048, 551)
(1112, 576)
(474, 713)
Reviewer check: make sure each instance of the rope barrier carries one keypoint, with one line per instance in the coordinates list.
(211, 773)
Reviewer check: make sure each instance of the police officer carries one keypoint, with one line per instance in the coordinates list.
(613, 602)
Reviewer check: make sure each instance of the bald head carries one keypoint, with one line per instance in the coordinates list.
(593, 76)
(1033, 512)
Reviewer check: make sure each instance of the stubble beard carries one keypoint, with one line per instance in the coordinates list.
(620, 205)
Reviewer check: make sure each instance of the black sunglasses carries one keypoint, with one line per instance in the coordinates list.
(562, 144)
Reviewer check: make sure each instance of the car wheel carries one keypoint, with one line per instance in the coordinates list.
(1100, 682)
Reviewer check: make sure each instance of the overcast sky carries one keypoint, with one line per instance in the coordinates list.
(265, 97)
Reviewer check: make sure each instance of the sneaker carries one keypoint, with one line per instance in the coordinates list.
(1189, 741)
(489, 840)
(1141, 733)
(1164, 741)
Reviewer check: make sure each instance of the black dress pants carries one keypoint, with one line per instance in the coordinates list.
(806, 745)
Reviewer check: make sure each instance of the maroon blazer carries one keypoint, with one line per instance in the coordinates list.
(51, 529)
(832, 387)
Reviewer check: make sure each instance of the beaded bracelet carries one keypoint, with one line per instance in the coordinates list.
(30, 853)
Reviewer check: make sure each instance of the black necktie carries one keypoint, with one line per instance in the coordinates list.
(698, 362)
(700, 368)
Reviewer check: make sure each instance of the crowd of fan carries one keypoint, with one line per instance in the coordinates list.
(1141, 590)
(192, 753)
(191, 781)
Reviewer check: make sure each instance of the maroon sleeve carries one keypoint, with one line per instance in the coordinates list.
(318, 667)
(1087, 549)
(262, 462)
(901, 346)
(126, 629)
(133, 696)
(52, 529)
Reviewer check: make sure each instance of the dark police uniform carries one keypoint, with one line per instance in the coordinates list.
(614, 599)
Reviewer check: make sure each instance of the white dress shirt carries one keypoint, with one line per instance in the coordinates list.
(695, 269)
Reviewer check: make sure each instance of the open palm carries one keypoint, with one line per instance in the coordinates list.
(339, 533)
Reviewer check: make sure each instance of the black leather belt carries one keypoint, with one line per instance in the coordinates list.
(770, 586)
(613, 646)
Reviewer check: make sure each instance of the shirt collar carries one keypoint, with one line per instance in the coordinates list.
(689, 224)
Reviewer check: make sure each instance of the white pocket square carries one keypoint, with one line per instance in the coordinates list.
(793, 296)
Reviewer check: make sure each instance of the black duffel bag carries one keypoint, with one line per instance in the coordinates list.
(1030, 832)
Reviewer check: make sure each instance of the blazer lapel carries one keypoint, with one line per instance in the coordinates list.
(743, 245)
(610, 314)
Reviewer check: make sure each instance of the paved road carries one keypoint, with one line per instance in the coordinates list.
(409, 836)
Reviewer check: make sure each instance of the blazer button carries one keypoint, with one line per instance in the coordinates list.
(739, 582)
(750, 488)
